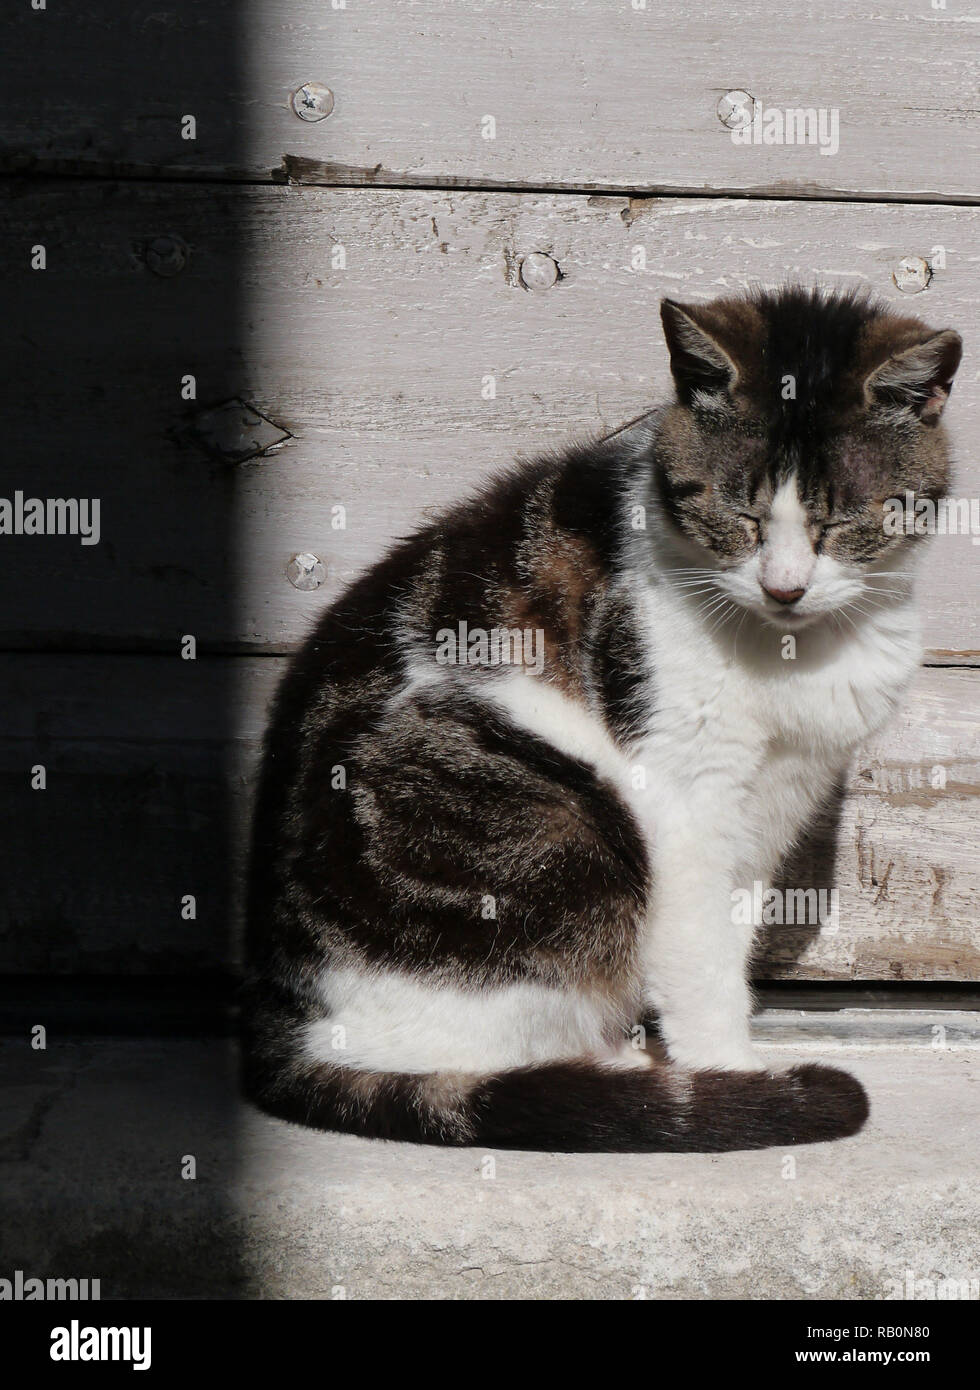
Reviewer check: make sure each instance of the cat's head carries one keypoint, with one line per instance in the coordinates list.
(800, 417)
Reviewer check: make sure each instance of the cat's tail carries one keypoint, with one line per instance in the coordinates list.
(568, 1107)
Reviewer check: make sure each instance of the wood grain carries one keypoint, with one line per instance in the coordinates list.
(365, 323)
(148, 799)
(379, 372)
(585, 94)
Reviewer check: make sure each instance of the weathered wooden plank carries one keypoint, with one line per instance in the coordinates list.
(582, 94)
(405, 371)
(905, 861)
(151, 764)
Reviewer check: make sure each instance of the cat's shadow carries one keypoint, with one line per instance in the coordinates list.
(812, 868)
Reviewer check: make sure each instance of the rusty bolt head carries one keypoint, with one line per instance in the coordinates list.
(306, 571)
(912, 274)
(736, 109)
(312, 101)
(538, 271)
(166, 256)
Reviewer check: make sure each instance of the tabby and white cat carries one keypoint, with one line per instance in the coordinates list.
(471, 878)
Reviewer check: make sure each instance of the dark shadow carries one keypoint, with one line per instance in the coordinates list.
(121, 253)
(811, 869)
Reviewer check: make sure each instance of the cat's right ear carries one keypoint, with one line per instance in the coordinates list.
(698, 362)
(919, 378)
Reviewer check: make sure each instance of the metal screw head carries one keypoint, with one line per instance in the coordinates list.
(538, 271)
(306, 571)
(736, 109)
(166, 255)
(312, 101)
(912, 274)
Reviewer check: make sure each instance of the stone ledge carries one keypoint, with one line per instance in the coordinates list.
(95, 1133)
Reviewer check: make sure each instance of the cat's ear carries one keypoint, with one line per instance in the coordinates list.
(698, 361)
(920, 377)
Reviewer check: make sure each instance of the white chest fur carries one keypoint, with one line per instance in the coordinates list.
(748, 735)
(819, 692)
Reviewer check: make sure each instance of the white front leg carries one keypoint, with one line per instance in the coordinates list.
(695, 962)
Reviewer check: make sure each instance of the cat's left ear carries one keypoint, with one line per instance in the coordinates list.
(919, 378)
(698, 360)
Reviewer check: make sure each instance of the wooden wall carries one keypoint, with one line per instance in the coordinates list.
(356, 282)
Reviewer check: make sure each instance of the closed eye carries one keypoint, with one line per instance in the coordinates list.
(828, 528)
(751, 524)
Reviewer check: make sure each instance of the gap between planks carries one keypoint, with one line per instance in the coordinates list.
(102, 173)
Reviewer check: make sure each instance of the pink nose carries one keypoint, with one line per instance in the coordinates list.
(785, 595)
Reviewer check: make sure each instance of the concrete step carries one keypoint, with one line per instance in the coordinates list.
(96, 1133)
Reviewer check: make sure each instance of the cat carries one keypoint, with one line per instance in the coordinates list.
(473, 875)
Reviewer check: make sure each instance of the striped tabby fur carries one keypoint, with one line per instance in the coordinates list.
(473, 879)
